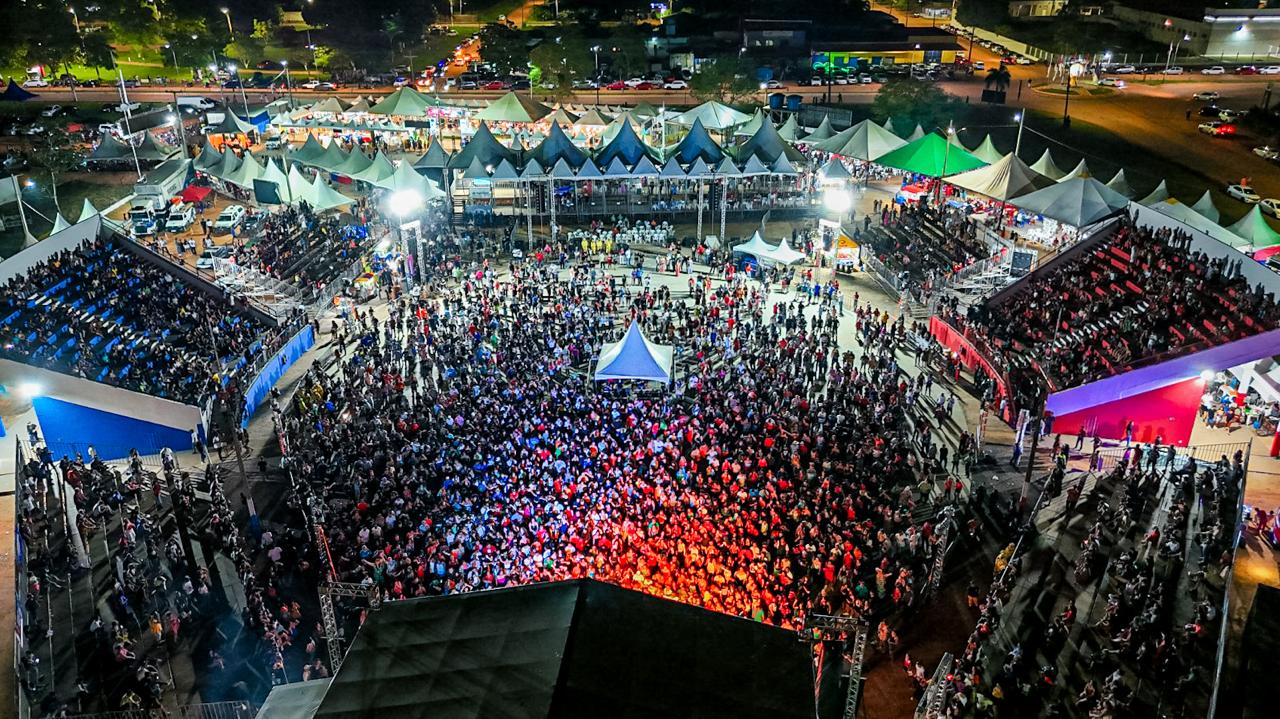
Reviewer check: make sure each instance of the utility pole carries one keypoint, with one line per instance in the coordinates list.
(182, 130)
(1022, 119)
(1037, 418)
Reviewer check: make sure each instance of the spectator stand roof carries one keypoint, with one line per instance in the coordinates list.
(484, 147)
(1047, 167)
(987, 152)
(864, 141)
(712, 115)
(513, 108)
(557, 146)
(625, 144)
(635, 357)
(931, 156)
(1006, 178)
(768, 145)
(1077, 202)
(16, 93)
(697, 144)
(298, 700)
(567, 650)
(1253, 228)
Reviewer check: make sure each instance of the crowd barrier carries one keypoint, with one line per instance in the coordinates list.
(273, 369)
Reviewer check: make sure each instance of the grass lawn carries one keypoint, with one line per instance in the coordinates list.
(100, 189)
(487, 11)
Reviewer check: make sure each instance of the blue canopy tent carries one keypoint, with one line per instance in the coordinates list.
(15, 93)
(635, 357)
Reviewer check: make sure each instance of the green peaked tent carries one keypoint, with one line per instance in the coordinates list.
(712, 115)
(592, 118)
(484, 147)
(111, 149)
(864, 141)
(1254, 228)
(626, 144)
(987, 151)
(562, 116)
(932, 156)
(513, 108)
(310, 152)
(208, 156)
(749, 128)
(1160, 194)
(231, 125)
(405, 102)
(644, 109)
(822, 132)
(790, 130)
(1205, 207)
(1047, 167)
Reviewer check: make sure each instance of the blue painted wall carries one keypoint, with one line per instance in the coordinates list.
(69, 428)
(258, 390)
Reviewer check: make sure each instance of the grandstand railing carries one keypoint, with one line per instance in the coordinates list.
(886, 278)
(1048, 262)
(1220, 657)
(20, 638)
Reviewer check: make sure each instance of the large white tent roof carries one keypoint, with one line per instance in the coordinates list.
(1005, 178)
(1078, 202)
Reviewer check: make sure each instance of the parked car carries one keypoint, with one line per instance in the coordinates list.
(494, 85)
(1215, 70)
(979, 65)
(35, 82)
(1111, 82)
(1269, 70)
(1267, 152)
(675, 85)
(616, 85)
(633, 81)
(773, 85)
(1246, 70)
(230, 218)
(1207, 96)
(51, 111)
(1024, 60)
(467, 85)
(646, 85)
(1229, 115)
(1243, 194)
(1270, 206)
(1209, 111)
(1124, 70)
(1217, 128)
(274, 142)
(1174, 70)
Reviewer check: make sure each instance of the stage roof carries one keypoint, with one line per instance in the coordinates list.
(567, 649)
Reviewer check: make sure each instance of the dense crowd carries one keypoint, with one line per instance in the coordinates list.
(1136, 296)
(923, 244)
(100, 312)
(302, 248)
(460, 445)
(1153, 640)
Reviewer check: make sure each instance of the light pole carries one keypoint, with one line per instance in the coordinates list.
(287, 83)
(75, 18)
(173, 53)
(595, 50)
(235, 71)
(1021, 117)
(230, 30)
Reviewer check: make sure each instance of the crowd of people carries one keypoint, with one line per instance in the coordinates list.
(460, 445)
(1138, 295)
(1151, 640)
(100, 312)
(923, 245)
(300, 247)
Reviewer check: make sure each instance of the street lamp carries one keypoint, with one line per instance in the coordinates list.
(288, 84)
(235, 71)
(595, 50)
(173, 53)
(1019, 118)
(230, 30)
(75, 18)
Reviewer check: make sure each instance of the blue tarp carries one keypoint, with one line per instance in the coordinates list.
(635, 357)
(261, 386)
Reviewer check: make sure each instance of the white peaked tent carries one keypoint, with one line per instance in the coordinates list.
(299, 187)
(1189, 217)
(888, 125)
(248, 171)
(273, 173)
(1253, 228)
(324, 197)
(635, 357)
(761, 250)
(987, 151)
(1160, 194)
(822, 132)
(864, 141)
(916, 134)
(1080, 170)
(1205, 207)
(1077, 202)
(405, 178)
(379, 170)
(714, 116)
(1047, 167)
(1005, 178)
(1119, 184)
(87, 210)
(59, 224)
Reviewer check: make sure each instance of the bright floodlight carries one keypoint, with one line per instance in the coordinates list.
(838, 201)
(29, 389)
(1206, 375)
(403, 202)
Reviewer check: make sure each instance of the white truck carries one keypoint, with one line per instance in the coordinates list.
(181, 216)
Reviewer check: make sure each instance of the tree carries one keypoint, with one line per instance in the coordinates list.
(723, 79)
(998, 77)
(505, 47)
(57, 154)
(324, 56)
(97, 52)
(392, 28)
(561, 60)
(911, 100)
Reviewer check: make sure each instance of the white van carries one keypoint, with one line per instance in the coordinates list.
(181, 216)
(196, 102)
